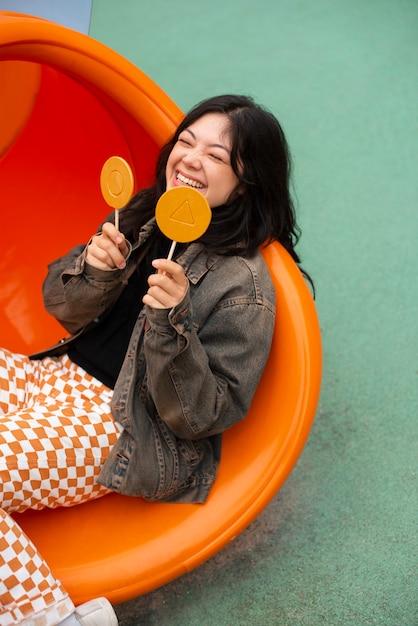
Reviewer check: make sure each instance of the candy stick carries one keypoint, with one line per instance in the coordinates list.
(117, 184)
(171, 252)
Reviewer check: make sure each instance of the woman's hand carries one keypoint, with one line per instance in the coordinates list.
(167, 287)
(108, 250)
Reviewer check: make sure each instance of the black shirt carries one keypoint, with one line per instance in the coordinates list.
(101, 351)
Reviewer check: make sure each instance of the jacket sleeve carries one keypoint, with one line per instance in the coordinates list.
(76, 293)
(204, 379)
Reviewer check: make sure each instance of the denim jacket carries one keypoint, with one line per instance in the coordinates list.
(189, 373)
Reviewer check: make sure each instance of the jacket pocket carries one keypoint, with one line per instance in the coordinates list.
(190, 451)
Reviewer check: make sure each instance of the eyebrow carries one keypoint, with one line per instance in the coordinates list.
(212, 145)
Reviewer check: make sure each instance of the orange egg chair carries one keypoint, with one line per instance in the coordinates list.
(67, 103)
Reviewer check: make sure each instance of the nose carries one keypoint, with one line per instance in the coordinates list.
(192, 159)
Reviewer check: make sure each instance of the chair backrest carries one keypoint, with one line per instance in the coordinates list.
(81, 104)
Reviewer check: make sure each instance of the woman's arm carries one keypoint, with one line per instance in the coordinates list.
(202, 380)
(81, 285)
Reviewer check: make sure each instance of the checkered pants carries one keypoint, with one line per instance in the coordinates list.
(56, 430)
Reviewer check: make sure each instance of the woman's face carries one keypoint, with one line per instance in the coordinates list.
(201, 159)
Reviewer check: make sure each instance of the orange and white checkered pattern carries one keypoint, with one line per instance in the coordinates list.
(29, 593)
(56, 430)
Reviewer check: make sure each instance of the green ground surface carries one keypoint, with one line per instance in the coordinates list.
(338, 544)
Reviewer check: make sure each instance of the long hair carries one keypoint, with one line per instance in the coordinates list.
(263, 210)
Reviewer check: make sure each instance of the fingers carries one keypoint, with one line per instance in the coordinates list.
(107, 250)
(167, 287)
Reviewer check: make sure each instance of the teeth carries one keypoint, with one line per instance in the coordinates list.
(189, 181)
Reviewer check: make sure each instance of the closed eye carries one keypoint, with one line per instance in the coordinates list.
(216, 157)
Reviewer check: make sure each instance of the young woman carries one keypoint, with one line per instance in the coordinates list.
(164, 355)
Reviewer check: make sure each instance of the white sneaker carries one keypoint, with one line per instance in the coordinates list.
(98, 612)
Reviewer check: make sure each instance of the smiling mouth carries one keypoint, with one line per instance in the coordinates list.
(189, 181)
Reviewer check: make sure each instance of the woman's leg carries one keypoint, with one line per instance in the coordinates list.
(28, 590)
(55, 433)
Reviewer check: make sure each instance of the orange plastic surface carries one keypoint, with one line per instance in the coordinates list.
(93, 104)
(19, 85)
